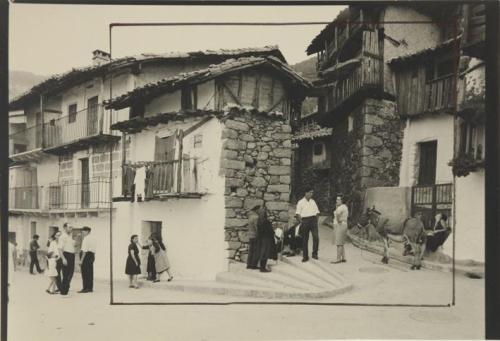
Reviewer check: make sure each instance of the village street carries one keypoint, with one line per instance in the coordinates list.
(35, 315)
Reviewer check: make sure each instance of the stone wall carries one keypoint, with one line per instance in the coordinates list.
(369, 155)
(100, 159)
(256, 161)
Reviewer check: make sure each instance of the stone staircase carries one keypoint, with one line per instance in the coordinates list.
(289, 279)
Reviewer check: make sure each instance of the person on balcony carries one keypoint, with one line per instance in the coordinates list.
(308, 212)
(265, 237)
(340, 228)
(133, 264)
(253, 246)
(161, 260)
(34, 246)
(67, 254)
(87, 260)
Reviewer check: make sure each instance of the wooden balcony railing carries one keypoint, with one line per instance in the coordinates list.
(83, 124)
(439, 94)
(475, 24)
(367, 73)
(162, 178)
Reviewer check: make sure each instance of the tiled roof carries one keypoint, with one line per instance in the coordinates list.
(311, 132)
(77, 75)
(171, 84)
(411, 57)
(318, 43)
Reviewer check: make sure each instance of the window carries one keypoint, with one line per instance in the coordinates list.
(72, 113)
(188, 98)
(318, 149)
(427, 163)
(198, 140)
(470, 141)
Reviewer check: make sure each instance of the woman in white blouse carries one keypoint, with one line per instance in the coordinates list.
(52, 256)
(340, 228)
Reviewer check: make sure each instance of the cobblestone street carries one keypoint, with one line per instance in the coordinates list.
(35, 315)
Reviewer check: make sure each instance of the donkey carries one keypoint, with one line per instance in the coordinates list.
(413, 234)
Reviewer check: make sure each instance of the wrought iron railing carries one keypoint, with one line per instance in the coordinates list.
(79, 195)
(24, 198)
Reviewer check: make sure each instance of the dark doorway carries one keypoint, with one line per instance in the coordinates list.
(85, 183)
(427, 163)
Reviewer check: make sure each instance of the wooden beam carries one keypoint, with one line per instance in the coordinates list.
(255, 101)
(231, 93)
(180, 136)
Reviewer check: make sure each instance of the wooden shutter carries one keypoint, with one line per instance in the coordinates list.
(370, 42)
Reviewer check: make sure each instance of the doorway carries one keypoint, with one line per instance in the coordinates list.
(148, 228)
(92, 116)
(85, 179)
(427, 163)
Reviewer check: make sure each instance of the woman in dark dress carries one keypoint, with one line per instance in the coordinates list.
(133, 266)
(265, 238)
(151, 268)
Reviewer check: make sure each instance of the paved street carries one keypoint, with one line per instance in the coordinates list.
(35, 315)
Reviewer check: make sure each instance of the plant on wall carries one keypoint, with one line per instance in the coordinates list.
(464, 164)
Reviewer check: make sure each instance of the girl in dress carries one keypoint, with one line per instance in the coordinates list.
(161, 260)
(52, 257)
(340, 228)
(133, 265)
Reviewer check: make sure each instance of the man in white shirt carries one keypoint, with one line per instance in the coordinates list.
(87, 258)
(67, 253)
(308, 212)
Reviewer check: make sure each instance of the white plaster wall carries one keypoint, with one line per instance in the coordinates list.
(99, 225)
(417, 36)
(169, 102)
(423, 129)
(193, 229)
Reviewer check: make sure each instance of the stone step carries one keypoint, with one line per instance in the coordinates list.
(226, 289)
(328, 269)
(313, 270)
(267, 280)
(298, 274)
(277, 277)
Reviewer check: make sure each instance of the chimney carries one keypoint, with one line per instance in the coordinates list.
(99, 57)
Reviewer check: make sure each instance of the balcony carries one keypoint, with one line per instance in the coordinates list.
(61, 198)
(474, 30)
(414, 98)
(365, 73)
(78, 130)
(162, 179)
(26, 144)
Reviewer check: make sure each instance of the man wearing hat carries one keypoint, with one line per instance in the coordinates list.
(87, 258)
(253, 245)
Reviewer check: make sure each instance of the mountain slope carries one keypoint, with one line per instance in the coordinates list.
(22, 81)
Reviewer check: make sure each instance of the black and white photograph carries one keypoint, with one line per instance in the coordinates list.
(228, 172)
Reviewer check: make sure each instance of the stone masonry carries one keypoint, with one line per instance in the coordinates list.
(256, 161)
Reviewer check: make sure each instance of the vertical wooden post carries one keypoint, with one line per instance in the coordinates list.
(42, 119)
(180, 136)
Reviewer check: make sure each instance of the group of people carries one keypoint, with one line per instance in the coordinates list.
(265, 241)
(157, 263)
(61, 260)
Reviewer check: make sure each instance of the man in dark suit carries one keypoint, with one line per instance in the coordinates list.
(34, 255)
(87, 260)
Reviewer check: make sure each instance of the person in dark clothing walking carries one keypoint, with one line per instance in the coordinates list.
(253, 245)
(265, 237)
(87, 260)
(34, 255)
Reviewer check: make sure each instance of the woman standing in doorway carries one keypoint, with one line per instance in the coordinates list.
(340, 228)
(133, 266)
(161, 260)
